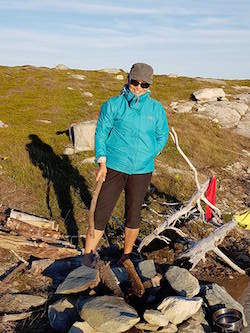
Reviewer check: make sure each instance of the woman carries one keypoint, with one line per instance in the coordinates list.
(131, 130)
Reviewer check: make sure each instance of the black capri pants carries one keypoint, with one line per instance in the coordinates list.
(135, 187)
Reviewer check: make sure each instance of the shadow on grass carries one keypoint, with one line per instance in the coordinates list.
(62, 176)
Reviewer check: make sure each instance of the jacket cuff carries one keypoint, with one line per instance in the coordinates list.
(101, 159)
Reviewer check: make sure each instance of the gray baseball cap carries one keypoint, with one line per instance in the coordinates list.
(141, 72)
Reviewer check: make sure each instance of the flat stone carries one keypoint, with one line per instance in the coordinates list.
(20, 302)
(171, 328)
(147, 327)
(209, 94)
(177, 308)
(78, 76)
(155, 317)
(182, 281)
(146, 269)
(82, 135)
(79, 280)
(217, 297)
(192, 326)
(87, 94)
(82, 327)
(70, 88)
(108, 314)
(44, 121)
(62, 314)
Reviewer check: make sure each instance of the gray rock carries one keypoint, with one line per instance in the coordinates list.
(209, 94)
(121, 274)
(177, 308)
(172, 75)
(78, 77)
(79, 280)
(155, 317)
(62, 315)
(241, 87)
(110, 70)
(217, 297)
(68, 151)
(119, 77)
(243, 127)
(88, 160)
(216, 81)
(3, 125)
(183, 282)
(182, 106)
(61, 67)
(108, 314)
(90, 103)
(19, 302)
(227, 113)
(244, 98)
(83, 135)
(192, 326)
(171, 328)
(87, 94)
(147, 327)
(200, 316)
(146, 269)
(82, 327)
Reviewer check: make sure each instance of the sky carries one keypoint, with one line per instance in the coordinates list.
(186, 37)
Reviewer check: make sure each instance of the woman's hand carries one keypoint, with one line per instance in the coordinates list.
(101, 172)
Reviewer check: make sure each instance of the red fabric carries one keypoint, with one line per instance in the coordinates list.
(210, 195)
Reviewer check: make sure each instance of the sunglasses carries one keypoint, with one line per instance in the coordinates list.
(135, 83)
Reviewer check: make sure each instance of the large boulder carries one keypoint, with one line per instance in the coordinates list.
(209, 94)
(243, 127)
(62, 314)
(79, 280)
(108, 314)
(227, 113)
(217, 297)
(83, 135)
(183, 282)
(177, 308)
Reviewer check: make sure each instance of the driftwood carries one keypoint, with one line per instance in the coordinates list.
(30, 231)
(209, 243)
(194, 202)
(15, 317)
(40, 250)
(33, 220)
(20, 267)
(136, 284)
(108, 277)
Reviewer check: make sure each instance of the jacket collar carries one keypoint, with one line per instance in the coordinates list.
(132, 99)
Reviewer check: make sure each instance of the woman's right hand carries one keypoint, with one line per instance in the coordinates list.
(101, 172)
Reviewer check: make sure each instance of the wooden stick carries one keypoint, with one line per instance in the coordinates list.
(15, 317)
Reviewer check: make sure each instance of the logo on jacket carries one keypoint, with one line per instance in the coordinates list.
(149, 118)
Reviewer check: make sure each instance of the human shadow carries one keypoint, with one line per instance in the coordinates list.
(59, 173)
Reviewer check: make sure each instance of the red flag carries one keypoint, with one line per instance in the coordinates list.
(210, 195)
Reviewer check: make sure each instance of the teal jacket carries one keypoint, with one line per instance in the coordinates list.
(130, 132)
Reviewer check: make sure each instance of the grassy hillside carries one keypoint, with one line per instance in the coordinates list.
(38, 108)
